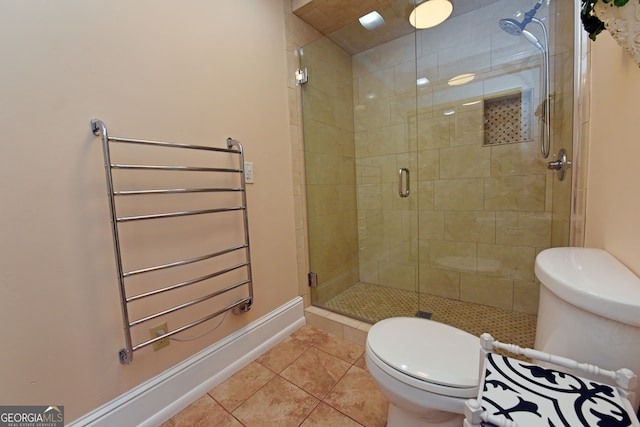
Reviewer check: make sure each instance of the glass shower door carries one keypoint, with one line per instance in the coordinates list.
(452, 115)
(360, 158)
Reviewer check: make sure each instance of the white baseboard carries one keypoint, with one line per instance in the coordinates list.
(158, 399)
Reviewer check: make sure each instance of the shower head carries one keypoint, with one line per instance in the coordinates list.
(511, 26)
(533, 40)
(515, 28)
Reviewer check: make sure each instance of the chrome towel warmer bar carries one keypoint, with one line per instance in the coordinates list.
(242, 305)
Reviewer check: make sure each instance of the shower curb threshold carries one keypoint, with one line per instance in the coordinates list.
(336, 324)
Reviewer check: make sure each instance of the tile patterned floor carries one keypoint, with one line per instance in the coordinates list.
(309, 379)
(373, 303)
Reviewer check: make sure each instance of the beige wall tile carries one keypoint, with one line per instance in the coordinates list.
(470, 226)
(370, 219)
(369, 271)
(376, 169)
(459, 194)
(515, 193)
(370, 196)
(491, 291)
(403, 110)
(431, 225)
(402, 249)
(513, 262)
(474, 54)
(387, 140)
(372, 248)
(428, 164)
(453, 256)
(434, 132)
(372, 115)
(329, 289)
(442, 283)
(467, 161)
(469, 119)
(398, 51)
(517, 159)
(562, 197)
(377, 85)
(526, 296)
(426, 195)
(405, 78)
(397, 275)
(523, 228)
(559, 232)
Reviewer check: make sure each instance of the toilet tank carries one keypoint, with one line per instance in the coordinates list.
(589, 308)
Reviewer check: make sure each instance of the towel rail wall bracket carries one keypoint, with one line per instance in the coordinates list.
(234, 148)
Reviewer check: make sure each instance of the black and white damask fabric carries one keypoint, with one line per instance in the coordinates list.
(534, 396)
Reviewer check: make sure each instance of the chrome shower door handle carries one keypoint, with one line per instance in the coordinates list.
(403, 190)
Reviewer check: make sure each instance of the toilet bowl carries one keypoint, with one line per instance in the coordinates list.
(589, 309)
(426, 369)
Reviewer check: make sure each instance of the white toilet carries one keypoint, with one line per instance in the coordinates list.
(589, 308)
(426, 369)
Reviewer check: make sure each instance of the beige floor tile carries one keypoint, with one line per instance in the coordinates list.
(277, 404)
(326, 416)
(316, 372)
(283, 354)
(309, 334)
(331, 344)
(358, 396)
(204, 412)
(241, 385)
(361, 362)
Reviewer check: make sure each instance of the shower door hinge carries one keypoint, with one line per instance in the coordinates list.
(302, 76)
(313, 279)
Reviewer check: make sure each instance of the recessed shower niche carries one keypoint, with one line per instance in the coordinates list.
(508, 118)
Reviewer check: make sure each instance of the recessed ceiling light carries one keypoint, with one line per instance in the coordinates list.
(430, 13)
(422, 81)
(371, 21)
(449, 112)
(461, 79)
(471, 103)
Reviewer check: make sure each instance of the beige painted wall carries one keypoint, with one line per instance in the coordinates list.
(194, 72)
(613, 198)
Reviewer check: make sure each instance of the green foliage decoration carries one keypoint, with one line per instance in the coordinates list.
(591, 23)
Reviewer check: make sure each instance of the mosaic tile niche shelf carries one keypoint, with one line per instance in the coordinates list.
(507, 118)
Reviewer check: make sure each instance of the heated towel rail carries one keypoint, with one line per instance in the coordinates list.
(230, 263)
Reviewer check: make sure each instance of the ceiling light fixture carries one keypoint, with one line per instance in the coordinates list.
(461, 79)
(371, 21)
(430, 13)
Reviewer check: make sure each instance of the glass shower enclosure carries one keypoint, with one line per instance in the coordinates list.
(424, 178)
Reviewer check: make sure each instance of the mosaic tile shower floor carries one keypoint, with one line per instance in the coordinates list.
(373, 303)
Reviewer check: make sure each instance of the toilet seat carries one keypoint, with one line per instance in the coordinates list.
(428, 355)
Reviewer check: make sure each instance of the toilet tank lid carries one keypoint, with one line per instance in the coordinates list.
(593, 280)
